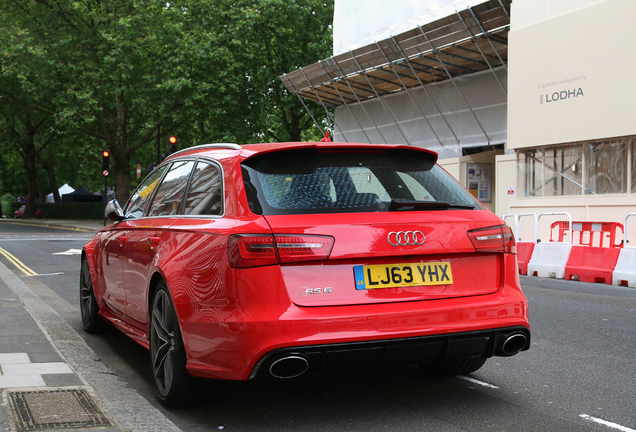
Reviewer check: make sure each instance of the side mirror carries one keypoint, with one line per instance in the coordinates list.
(113, 211)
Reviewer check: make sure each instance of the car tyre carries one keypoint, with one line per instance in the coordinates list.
(91, 320)
(457, 367)
(174, 385)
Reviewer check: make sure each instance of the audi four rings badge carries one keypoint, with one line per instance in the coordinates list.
(406, 238)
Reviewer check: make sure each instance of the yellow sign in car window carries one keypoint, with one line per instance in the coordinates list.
(148, 190)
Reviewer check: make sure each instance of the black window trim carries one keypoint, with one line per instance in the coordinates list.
(168, 166)
(188, 158)
(218, 165)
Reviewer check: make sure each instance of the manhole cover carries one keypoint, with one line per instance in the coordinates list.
(37, 410)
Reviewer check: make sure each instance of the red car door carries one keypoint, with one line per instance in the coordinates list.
(112, 266)
(143, 240)
(149, 237)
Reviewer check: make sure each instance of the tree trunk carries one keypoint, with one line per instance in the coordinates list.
(122, 179)
(50, 169)
(122, 151)
(31, 171)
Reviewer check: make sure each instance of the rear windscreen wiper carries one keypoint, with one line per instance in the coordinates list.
(402, 204)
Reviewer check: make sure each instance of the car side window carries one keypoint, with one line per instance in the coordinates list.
(138, 202)
(169, 196)
(205, 196)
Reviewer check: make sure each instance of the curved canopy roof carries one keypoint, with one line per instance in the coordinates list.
(471, 40)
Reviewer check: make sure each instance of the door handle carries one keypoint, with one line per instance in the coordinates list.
(154, 241)
(122, 240)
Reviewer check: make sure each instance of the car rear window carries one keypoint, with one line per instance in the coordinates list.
(318, 181)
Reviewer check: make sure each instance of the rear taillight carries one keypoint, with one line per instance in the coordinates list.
(251, 250)
(493, 239)
(303, 248)
(255, 250)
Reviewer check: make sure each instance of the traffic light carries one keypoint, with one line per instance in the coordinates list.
(105, 160)
(172, 146)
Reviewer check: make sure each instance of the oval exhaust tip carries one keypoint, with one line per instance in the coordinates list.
(513, 343)
(288, 367)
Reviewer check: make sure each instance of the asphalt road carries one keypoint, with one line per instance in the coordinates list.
(579, 375)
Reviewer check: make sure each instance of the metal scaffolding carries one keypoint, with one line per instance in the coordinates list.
(469, 41)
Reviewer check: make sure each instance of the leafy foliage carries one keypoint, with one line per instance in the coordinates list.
(77, 78)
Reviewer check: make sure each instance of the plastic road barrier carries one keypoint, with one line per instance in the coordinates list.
(599, 234)
(550, 258)
(592, 264)
(525, 248)
(625, 269)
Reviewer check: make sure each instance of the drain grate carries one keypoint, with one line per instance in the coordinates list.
(38, 410)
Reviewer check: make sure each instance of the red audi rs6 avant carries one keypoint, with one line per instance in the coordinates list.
(232, 262)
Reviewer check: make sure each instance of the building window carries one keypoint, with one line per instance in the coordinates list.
(607, 167)
(563, 170)
(603, 167)
(530, 169)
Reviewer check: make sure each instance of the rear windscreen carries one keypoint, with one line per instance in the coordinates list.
(318, 181)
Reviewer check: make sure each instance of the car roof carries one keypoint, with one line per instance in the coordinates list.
(246, 151)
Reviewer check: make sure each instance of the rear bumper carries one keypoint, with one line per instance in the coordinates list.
(226, 343)
(436, 349)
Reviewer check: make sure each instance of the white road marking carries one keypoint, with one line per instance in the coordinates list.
(69, 252)
(606, 423)
(474, 381)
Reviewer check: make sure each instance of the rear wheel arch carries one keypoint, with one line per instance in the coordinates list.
(152, 288)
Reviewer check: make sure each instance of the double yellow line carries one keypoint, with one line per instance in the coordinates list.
(16, 262)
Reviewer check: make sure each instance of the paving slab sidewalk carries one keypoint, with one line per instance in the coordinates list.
(50, 379)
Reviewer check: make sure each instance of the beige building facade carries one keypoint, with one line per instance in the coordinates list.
(570, 115)
(527, 102)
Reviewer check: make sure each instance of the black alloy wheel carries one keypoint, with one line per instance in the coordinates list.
(175, 387)
(91, 320)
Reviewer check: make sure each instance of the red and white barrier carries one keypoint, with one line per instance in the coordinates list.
(585, 251)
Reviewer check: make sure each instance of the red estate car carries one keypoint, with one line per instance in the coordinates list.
(231, 262)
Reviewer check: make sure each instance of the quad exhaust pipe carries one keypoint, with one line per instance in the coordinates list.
(290, 366)
(513, 343)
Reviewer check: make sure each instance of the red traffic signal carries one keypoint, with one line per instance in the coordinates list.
(172, 147)
(105, 161)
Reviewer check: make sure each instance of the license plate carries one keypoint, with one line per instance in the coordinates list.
(402, 275)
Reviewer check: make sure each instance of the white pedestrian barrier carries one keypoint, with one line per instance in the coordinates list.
(625, 270)
(549, 258)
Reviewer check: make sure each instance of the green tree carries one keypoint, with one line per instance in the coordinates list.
(287, 36)
(27, 87)
(128, 60)
(262, 40)
(125, 73)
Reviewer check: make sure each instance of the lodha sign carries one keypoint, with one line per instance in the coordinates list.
(561, 95)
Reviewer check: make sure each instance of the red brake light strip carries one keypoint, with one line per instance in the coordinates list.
(254, 250)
